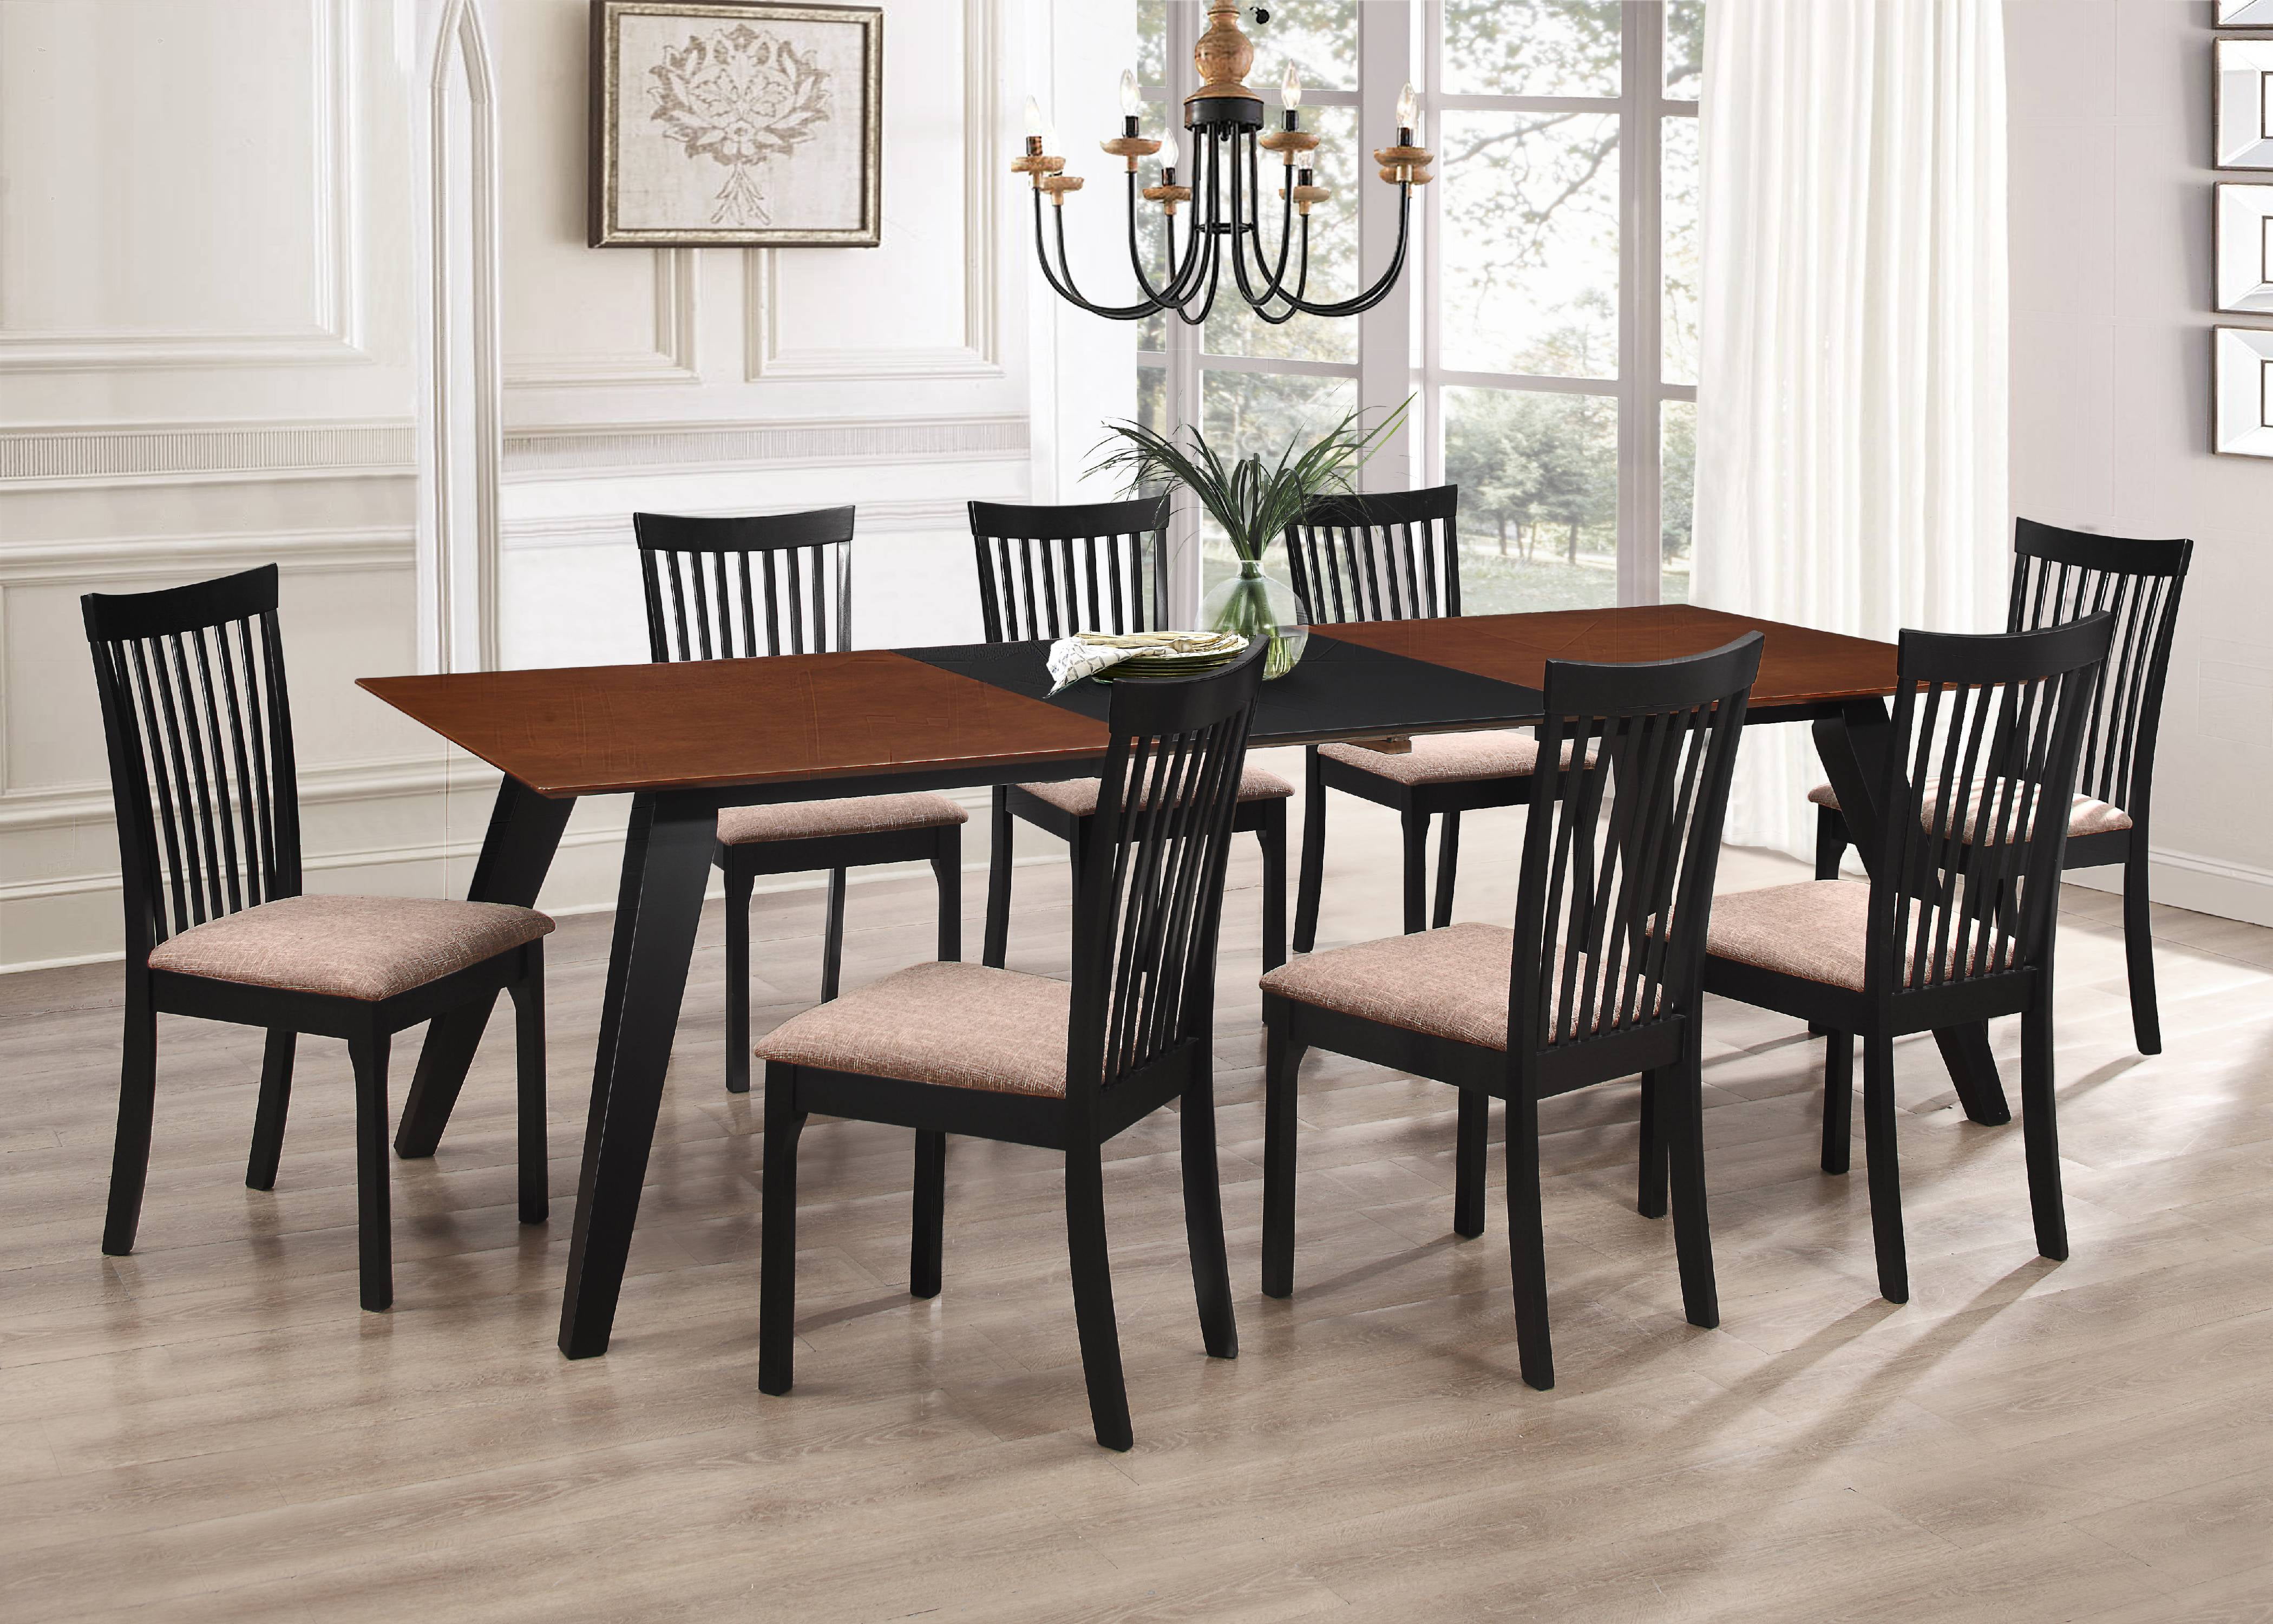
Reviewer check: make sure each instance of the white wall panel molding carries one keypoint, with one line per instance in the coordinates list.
(382, 779)
(602, 450)
(672, 360)
(186, 453)
(335, 336)
(113, 559)
(922, 515)
(771, 356)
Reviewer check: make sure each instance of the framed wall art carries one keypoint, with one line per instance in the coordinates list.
(2242, 383)
(2245, 13)
(736, 123)
(2244, 250)
(2244, 104)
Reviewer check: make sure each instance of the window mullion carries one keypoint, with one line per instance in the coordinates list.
(1183, 354)
(1641, 297)
(1384, 341)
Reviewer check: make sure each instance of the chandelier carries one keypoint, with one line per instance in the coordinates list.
(1226, 121)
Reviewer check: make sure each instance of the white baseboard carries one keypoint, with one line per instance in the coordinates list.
(2200, 884)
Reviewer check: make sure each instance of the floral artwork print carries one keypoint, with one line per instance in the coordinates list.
(742, 98)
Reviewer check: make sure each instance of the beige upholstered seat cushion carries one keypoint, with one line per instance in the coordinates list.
(2086, 816)
(348, 947)
(1449, 983)
(817, 820)
(1445, 758)
(960, 1025)
(1079, 796)
(1818, 931)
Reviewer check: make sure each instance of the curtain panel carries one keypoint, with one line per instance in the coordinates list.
(1852, 395)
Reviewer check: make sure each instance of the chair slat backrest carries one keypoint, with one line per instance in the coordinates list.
(200, 733)
(1152, 884)
(2060, 576)
(734, 588)
(1389, 556)
(1089, 567)
(1987, 734)
(1623, 842)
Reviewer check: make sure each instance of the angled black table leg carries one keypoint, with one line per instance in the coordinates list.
(523, 833)
(666, 864)
(1854, 746)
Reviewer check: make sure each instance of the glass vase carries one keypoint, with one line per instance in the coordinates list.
(1255, 604)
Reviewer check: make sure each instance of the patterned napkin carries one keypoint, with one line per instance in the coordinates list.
(1084, 654)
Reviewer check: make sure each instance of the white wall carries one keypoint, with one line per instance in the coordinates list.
(209, 232)
(2110, 346)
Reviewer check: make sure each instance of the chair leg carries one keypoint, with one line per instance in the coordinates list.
(739, 887)
(1272, 837)
(1468, 1163)
(1448, 867)
(930, 1213)
(1681, 1118)
(1313, 876)
(946, 869)
(2040, 1128)
(1830, 842)
(1838, 1099)
(777, 1235)
(832, 940)
(1649, 1196)
(1282, 1065)
(1527, 1242)
(374, 1243)
(1204, 1219)
(1885, 1175)
(529, 1061)
(997, 944)
(1092, 1298)
(276, 1103)
(130, 1156)
(2139, 951)
(1416, 872)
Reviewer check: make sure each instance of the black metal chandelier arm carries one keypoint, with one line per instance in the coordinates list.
(1302, 282)
(1063, 287)
(1241, 236)
(1373, 295)
(1277, 278)
(1184, 274)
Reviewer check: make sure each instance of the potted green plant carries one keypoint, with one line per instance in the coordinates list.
(1254, 501)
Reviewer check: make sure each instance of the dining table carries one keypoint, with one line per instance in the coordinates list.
(684, 739)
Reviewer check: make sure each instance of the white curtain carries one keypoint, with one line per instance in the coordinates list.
(1851, 400)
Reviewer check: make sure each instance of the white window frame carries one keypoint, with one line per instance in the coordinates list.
(1400, 347)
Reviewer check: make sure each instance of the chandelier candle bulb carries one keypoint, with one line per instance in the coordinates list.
(1034, 125)
(1132, 99)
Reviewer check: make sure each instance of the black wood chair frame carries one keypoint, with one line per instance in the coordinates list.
(2014, 707)
(204, 787)
(745, 587)
(1048, 572)
(2059, 574)
(1384, 556)
(1628, 724)
(1139, 1036)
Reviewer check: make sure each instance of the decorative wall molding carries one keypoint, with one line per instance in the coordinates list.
(46, 458)
(614, 530)
(573, 451)
(672, 360)
(157, 558)
(380, 779)
(337, 336)
(2213, 885)
(979, 354)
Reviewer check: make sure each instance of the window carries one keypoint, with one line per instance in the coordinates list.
(1547, 324)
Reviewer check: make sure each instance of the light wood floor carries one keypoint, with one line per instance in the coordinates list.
(210, 1430)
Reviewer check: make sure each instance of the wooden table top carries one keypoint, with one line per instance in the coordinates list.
(597, 730)
(804, 718)
(1799, 665)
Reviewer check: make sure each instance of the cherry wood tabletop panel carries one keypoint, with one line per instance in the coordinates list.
(597, 730)
(1799, 666)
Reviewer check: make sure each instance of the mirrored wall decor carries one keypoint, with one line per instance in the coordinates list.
(2242, 383)
(2245, 104)
(2245, 13)
(2245, 247)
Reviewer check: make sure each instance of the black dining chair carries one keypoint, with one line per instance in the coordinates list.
(1395, 556)
(1597, 980)
(775, 584)
(204, 784)
(2060, 576)
(1045, 572)
(1954, 926)
(1031, 1060)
